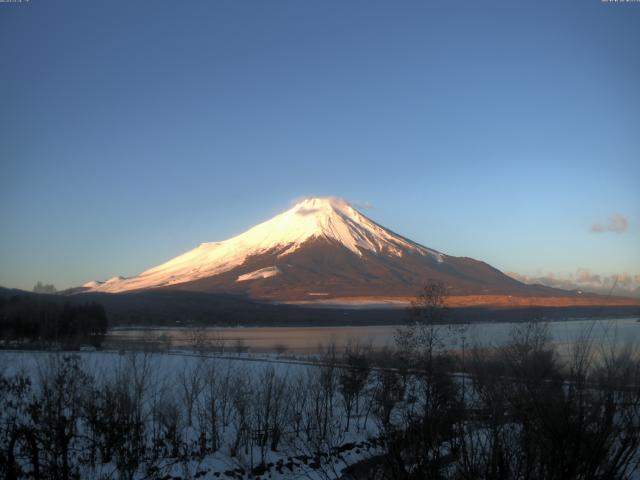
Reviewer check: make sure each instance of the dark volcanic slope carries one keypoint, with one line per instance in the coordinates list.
(326, 269)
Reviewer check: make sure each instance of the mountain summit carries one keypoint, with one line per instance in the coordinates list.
(320, 247)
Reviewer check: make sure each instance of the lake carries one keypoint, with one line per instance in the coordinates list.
(302, 340)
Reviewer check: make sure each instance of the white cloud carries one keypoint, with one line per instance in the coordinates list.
(584, 279)
(617, 223)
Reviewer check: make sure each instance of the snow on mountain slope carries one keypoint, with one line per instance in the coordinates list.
(313, 218)
(258, 274)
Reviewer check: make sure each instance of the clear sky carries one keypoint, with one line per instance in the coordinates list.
(131, 131)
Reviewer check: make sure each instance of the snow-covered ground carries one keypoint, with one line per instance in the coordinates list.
(206, 417)
(182, 414)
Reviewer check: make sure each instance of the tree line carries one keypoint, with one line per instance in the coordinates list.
(41, 320)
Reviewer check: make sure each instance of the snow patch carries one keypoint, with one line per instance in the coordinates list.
(258, 274)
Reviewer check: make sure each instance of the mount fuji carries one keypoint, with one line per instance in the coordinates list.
(319, 249)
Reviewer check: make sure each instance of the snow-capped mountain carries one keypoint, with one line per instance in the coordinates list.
(321, 247)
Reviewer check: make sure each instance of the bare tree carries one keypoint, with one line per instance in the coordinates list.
(63, 384)
(209, 408)
(425, 334)
(299, 401)
(218, 341)
(280, 349)
(353, 378)
(269, 411)
(198, 339)
(190, 385)
(241, 396)
(18, 441)
(239, 346)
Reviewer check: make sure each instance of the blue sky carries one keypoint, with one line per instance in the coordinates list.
(132, 131)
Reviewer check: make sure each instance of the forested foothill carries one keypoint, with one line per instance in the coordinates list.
(45, 321)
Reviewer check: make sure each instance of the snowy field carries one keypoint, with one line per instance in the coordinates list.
(183, 415)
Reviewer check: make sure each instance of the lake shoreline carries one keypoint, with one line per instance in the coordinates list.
(336, 317)
(257, 327)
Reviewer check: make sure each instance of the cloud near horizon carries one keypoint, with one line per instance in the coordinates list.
(617, 224)
(583, 279)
